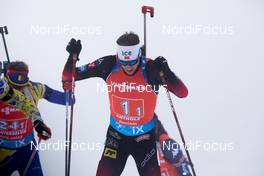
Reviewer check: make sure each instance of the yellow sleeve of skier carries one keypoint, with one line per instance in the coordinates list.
(35, 91)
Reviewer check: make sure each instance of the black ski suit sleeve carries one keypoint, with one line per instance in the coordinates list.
(101, 67)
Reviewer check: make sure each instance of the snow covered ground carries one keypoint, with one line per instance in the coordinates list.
(215, 47)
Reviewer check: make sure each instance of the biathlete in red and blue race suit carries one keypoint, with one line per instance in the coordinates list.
(133, 84)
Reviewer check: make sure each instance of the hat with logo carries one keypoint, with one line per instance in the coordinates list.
(128, 48)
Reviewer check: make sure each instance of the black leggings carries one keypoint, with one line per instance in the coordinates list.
(117, 149)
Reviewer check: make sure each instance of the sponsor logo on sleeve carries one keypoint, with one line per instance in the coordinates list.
(110, 153)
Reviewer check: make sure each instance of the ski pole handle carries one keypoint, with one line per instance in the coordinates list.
(3, 30)
(148, 9)
(6, 31)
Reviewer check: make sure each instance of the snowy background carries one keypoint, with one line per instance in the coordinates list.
(215, 47)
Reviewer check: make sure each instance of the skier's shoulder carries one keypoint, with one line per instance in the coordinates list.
(38, 88)
(22, 102)
(36, 85)
(103, 64)
(107, 61)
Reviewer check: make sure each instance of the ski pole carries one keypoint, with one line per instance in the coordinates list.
(178, 123)
(67, 94)
(71, 95)
(31, 158)
(3, 31)
(145, 10)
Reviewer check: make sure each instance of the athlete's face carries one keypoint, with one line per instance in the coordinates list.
(130, 69)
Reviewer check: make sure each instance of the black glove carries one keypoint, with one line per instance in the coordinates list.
(43, 131)
(74, 47)
(162, 65)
